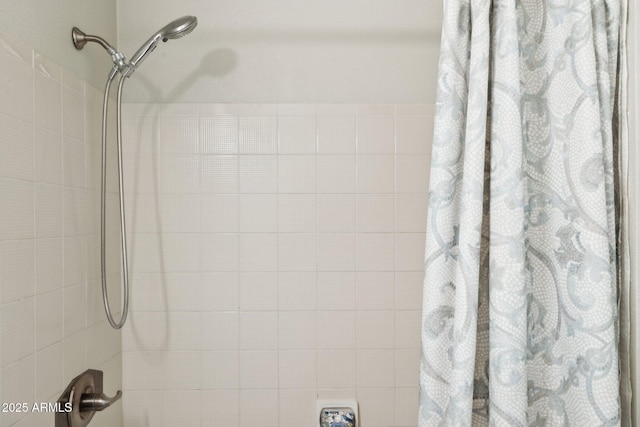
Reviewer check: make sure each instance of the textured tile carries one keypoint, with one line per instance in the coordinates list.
(17, 146)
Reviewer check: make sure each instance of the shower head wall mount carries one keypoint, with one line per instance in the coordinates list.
(80, 39)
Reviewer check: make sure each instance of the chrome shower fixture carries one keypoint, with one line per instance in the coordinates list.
(175, 29)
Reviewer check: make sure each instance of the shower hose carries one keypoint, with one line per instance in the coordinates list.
(103, 201)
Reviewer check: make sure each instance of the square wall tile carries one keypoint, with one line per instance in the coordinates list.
(336, 330)
(258, 213)
(297, 134)
(298, 406)
(146, 331)
(297, 369)
(219, 292)
(219, 251)
(296, 252)
(376, 132)
(407, 406)
(180, 252)
(183, 331)
(412, 174)
(375, 369)
(183, 291)
(48, 156)
(258, 291)
(17, 148)
(258, 174)
(72, 114)
(408, 368)
(414, 133)
(17, 269)
(73, 158)
(375, 329)
(188, 400)
(75, 211)
(18, 331)
(375, 213)
(336, 174)
(219, 134)
(336, 213)
(408, 330)
(17, 86)
(74, 355)
(411, 212)
(375, 251)
(219, 331)
(49, 264)
(75, 309)
(181, 370)
(220, 406)
(178, 174)
(297, 330)
(296, 213)
(259, 330)
(336, 251)
(18, 201)
(219, 213)
(258, 369)
(144, 253)
(142, 370)
(297, 174)
(143, 407)
(18, 385)
(48, 103)
(336, 290)
(49, 380)
(375, 290)
(337, 368)
(258, 251)
(49, 318)
(376, 173)
(377, 407)
(409, 285)
(337, 134)
(147, 294)
(410, 251)
(218, 174)
(258, 134)
(140, 132)
(178, 135)
(177, 213)
(296, 291)
(220, 370)
(257, 408)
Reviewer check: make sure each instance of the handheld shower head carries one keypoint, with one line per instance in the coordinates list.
(173, 30)
(178, 28)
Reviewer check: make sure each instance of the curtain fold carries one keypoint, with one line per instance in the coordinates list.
(520, 314)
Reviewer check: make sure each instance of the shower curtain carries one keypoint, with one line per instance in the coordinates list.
(520, 312)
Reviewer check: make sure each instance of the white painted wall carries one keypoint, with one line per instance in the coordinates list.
(46, 27)
(359, 51)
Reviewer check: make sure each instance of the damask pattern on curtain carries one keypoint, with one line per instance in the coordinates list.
(520, 316)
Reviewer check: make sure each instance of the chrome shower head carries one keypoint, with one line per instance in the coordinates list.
(175, 29)
(178, 28)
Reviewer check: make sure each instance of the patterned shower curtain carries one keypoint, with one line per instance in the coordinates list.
(520, 314)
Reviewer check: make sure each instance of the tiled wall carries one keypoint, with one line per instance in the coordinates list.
(277, 257)
(52, 327)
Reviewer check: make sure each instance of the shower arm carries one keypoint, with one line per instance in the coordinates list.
(80, 39)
